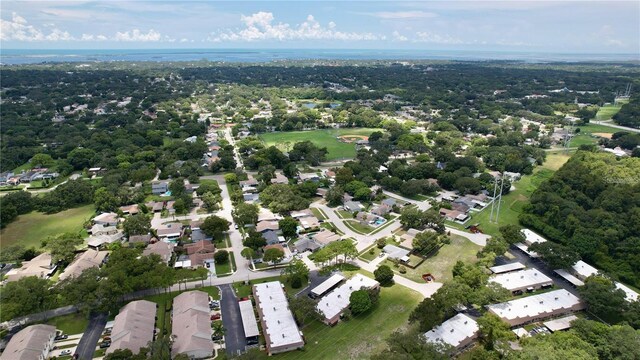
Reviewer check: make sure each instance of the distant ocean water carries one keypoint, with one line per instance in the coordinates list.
(19, 56)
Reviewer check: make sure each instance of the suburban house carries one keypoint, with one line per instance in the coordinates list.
(199, 252)
(191, 329)
(159, 187)
(396, 252)
(279, 327)
(306, 243)
(87, 260)
(365, 218)
(40, 266)
(537, 307)
(263, 226)
(390, 202)
(308, 177)
(98, 229)
(146, 239)
(381, 210)
(454, 215)
(321, 192)
(134, 327)
(197, 235)
(170, 231)
(160, 248)
(31, 343)
(272, 237)
(97, 241)
(155, 206)
(106, 219)
(130, 209)
(459, 332)
(249, 186)
(280, 179)
(352, 206)
(306, 219)
(332, 305)
(324, 237)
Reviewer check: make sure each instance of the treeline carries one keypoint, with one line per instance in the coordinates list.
(592, 206)
(629, 114)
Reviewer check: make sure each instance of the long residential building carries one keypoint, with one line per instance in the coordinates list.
(333, 304)
(249, 322)
(279, 327)
(459, 331)
(87, 260)
(31, 343)
(191, 329)
(537, 307)
(326, 286)
(134, 326)
(519, 281)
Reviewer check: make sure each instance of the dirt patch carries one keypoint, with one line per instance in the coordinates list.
(352, 138)
(604, 135)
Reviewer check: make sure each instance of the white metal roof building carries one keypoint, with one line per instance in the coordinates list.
(527, 279)
(249, 322)
(506, 268)
(583, 270)
(525, 249)
(569, 277)
(334, 303)
(537, 307)
(458, 331)
(530, 237)
(631, 295)
(562, 323)
(326, 285)
(280, 330)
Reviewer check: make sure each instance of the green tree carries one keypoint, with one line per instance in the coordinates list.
(289, 227)
(254, 240)
(273, 255)
(303, 309)
(81, 158)
(557, 346)
(603, 298)
(334, 196)
(63, 247)
(245, 214)
(214, 226)
(27, 296)
(296, 272)
(359, 302)
(221, 257)
(411, 217)
(105, 200)
(177, 187)
(411, 346)
(494, 332)
(555, 255)
(384, 275)
(248, 253)
(427, 242)
(511, 233)
(41, 160)
(210, 201)
(138, 224)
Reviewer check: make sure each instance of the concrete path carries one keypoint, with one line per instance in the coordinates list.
(478, 239)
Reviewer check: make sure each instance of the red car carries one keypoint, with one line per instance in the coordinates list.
(215, 317)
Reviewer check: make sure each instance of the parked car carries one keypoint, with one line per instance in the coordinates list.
(105, 344)
(215, 317)
(61, 337)
(65, 352)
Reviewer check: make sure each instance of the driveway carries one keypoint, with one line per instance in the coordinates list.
(88, 342)
(234, 338)
(315, 279)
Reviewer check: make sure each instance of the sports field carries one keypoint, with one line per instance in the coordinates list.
(323, 138)
(30, 229)
(607, 111)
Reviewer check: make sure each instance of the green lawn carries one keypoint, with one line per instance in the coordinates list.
(514, 202)
(441, 264)
(243, 290)
(345, 214)
(30, 229)
(323, 138)
(606, 112)
(318, 213)
(583, 139)
(357, 227)
(69, 324)
(361, 336)
(223, 268)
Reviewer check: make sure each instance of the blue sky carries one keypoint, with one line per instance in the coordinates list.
(529, 26)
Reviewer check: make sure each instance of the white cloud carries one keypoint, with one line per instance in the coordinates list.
(261, 26)
(399, 37)
(405, 15)
(19, 29)
(137, 35)
(428, 37)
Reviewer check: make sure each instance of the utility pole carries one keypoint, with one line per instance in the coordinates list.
(500, 197)
(495, 187)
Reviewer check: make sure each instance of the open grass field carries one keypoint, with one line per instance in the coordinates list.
(513, 203)
(323, 138)
(361, 336)
(606, 112)
(441, 264)
(30, 229)
(70, 324)
(589, 134)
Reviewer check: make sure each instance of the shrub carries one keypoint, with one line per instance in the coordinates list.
(221, 257)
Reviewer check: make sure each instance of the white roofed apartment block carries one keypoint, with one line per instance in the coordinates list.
(459, 331)
(631, 295)
(519, 281)
(583, 270)
(530, 237)
(501, 269)
(134, 326)
(569, 277)
(249, 322)
(333, 304)
(191, 329)
(326, 286)
(31, 343)
(537, 307)
(280, 330)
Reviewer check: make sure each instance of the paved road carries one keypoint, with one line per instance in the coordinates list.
(607, 123)
(234, 338)
(422, 205)
(39, 317)
(87, 345)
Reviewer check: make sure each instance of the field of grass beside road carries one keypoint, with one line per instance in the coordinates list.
(323, 138)
(30, 229)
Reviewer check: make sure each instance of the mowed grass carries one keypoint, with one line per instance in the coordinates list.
(323, 138)
(30, 229)
(361, 336)
(513, 203)
(70, 324)
(441, 264)
(586, 135)
(606, 112)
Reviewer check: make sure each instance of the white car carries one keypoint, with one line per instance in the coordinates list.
(65, 352)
